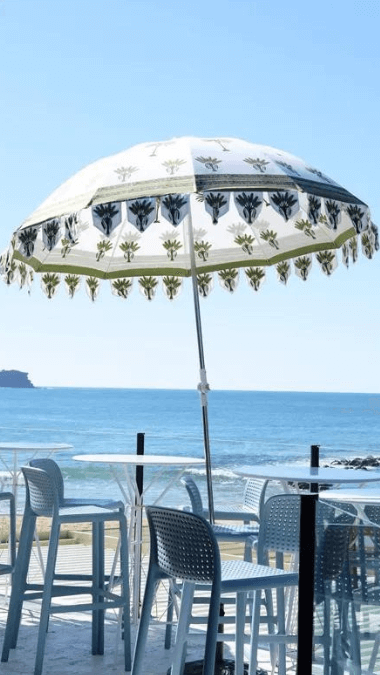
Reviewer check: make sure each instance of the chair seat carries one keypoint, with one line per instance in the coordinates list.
(244, 576)
(85, 511)
(235, 533)
(104, 503)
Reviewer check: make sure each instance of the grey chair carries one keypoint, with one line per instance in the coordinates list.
(184, 547)
(51, 467)
(8, 567)
(43, 499)
(255, 493)
(246, 534)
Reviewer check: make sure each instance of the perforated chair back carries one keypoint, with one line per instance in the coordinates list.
(279, 527)
(254, 494)
(41, 491)
(51, 467)
(194, 494)
(183, 545)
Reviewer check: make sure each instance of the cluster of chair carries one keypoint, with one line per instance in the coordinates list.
(184, 550)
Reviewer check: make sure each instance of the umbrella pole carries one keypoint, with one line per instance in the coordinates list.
(203, 386)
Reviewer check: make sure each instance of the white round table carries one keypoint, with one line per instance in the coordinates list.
(132, 497)
(29, 450)
(294, 473)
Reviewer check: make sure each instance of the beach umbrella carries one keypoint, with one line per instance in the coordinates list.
(217, 210)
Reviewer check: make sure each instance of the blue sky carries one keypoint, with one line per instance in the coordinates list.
(82, 80)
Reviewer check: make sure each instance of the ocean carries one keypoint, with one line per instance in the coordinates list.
(245, 427)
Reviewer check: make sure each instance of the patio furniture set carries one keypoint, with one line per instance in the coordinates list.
(184, 550)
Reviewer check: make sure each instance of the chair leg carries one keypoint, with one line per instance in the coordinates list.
(47, 595)
(18, 585)
(179, 654)
(142, 634)
(97, 587)
(255, 628)
(169, 615)
(124, 569)
(241, 601)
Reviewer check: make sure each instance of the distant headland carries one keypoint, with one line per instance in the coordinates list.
(15, 379)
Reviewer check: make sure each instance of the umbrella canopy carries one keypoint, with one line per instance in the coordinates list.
(125, 217)
(215, 209)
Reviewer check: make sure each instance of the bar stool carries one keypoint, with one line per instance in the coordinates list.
(42, 499)
(184, 547)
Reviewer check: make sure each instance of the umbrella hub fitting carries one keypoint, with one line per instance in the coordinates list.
(203, 387)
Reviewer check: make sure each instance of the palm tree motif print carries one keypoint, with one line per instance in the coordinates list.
(271, 237)
(125, 172)
(23, 274)
(255, 276)
(10, 271)
(129, 249)
(216, 201)
(229, 279)
(314, 210)
(92, 287)
(258, 164)
(303, 264)
(202, 248)
(368, 245)
(71, 223)
(221, 142)
(103, 247)
(326, 260)
(246, 242)
(122, 287)
(283, 270)
(148, 285)
(210, 162)
(50, 282)
(67, 245)
(72, 282)
(284, 203)
(173, 205)
(69, 240)
(287, 167)
(27, 240)
(353, 244)
(319, 174)
(142, 209)
(155, 146)
(346, 254)
(333, 213)
(50, 231)
(374, 229)
(357, 216)
(250, 205)
(306, 227)
(172, 165)
(204, 284)
(172, 286)
(172, 247)
(107, 213)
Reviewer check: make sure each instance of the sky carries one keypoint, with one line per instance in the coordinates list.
(83, 80)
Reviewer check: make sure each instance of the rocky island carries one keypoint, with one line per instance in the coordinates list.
(15, 379)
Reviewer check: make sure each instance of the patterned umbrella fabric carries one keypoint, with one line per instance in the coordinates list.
(126, 218)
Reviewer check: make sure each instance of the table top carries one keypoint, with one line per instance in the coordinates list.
(20, 446)
(294, 472)
(363, 495)
(140, 460)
